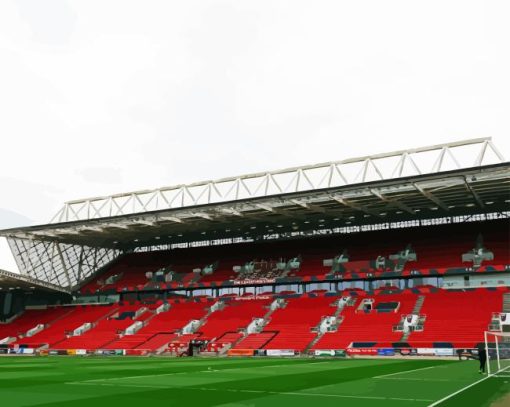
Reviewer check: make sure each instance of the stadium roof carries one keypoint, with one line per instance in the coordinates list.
(13, 281)
(446, 180)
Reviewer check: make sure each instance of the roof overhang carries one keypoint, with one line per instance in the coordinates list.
(12, 281)
(484, 189)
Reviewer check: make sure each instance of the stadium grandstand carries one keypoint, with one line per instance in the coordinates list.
(362, 253)
(404, 253)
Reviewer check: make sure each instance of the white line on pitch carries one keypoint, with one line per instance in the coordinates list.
(131, 377)
(346, 396)
(199, 371)
(403, 372)
(464, 388)
(420, 379)
(285, 393)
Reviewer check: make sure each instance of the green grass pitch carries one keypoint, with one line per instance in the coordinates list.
(147, 382)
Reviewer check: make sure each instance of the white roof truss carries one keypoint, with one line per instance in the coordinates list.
(405, 163)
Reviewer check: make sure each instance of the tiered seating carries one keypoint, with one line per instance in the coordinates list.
(30, 318)
(131, 269)
(374, 327)
(127, 342)
(453, 318)
(457, 318)
(312, 264)
(224, 271)
(79, 315)
(168, 322)
(157, 341)
(235, 315)
(438, 247)
(99, 336)
(294, 323)
(106, 331)
(229, 337)
(256, 341)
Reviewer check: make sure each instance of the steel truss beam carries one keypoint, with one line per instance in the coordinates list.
(475, 195)
(273, 209)
(430, 196)
(394, 202)
(344, 202)
(443, 157)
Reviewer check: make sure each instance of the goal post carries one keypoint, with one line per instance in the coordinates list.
(497, 348)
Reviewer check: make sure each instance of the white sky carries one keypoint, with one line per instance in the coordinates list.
(99, 97)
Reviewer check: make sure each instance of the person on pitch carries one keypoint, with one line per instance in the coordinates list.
(482, 357)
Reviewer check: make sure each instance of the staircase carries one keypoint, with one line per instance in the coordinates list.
(320, 333)
(217, 306)
(405, 336)
(495, 324)
(419, 304)
(159, 342)
(146, 317)
(262, 336)
(281, 304)
(266, 318)
(338, 320)
(419, 324)
(195, 278)
(506, 308)
(416, 311)
(140, 311)
(227, 347)
(245, 331)
(314, 341)
(244, 334)
(7, 340)
(339, 308)
(506, 302)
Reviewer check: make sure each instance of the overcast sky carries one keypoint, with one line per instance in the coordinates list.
(99, 97)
